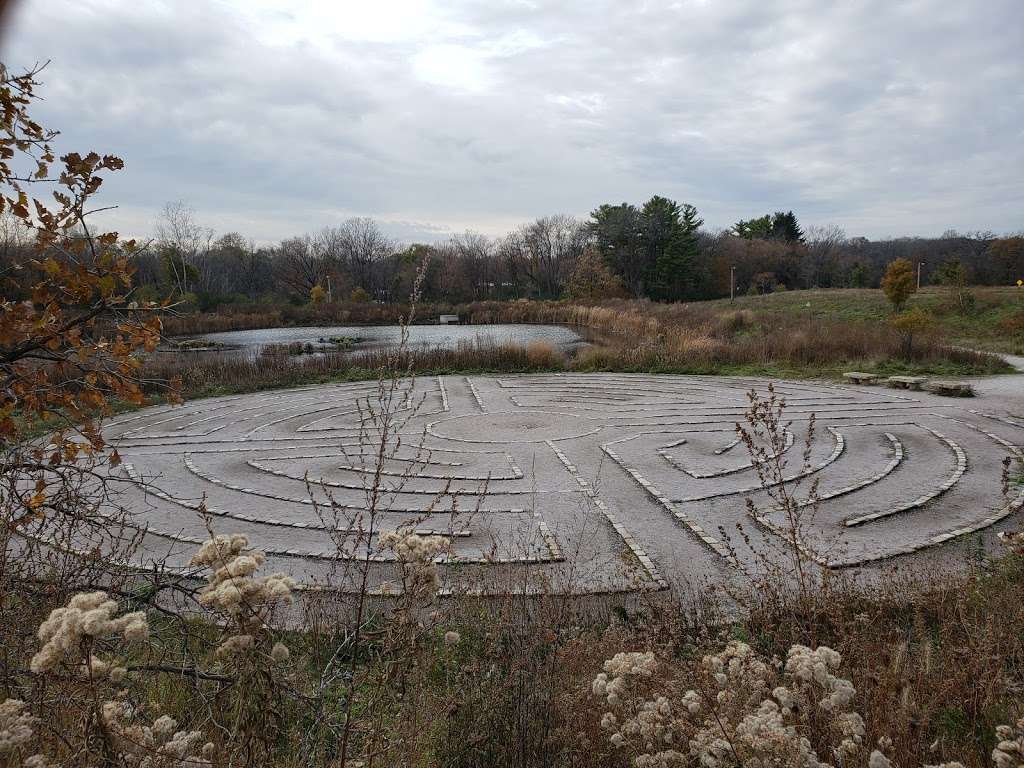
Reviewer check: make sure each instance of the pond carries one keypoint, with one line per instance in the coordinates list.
(383, 336)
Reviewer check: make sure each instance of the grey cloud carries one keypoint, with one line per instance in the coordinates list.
(886, 118)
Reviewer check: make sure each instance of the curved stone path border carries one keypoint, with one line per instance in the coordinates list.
(671, 458)
(958, 471)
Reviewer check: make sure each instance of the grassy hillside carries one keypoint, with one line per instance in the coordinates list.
(996, 323)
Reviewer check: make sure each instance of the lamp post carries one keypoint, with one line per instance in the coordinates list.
(732, 284)
(919, 274)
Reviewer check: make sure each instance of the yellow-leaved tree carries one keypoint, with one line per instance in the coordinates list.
(898, 282)
(71, 335)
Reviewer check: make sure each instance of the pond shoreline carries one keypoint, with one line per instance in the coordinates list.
(299, 340)
(626, 336)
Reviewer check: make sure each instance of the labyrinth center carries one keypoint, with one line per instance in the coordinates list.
(560, 482)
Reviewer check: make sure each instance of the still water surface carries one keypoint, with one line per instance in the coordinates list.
(383, 336)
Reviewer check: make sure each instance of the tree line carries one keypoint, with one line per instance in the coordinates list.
(659, 250)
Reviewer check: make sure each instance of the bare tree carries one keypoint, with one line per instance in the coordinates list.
(978, 242)
(823, 246)
(299, 265)
(362, 248)
(546, 251)
(16, 240)
(473, 260)
(183, 245)
(236, 265)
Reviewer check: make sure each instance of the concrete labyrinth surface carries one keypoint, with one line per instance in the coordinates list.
(564, 482)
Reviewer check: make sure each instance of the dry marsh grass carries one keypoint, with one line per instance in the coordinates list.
(702, 338)
(646, 336)
(627, 336)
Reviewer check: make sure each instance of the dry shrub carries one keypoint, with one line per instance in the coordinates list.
(698, 337)
(937, 662)
(1014, 323)
(732, 323)
(489, 698)
(596, 358)
(219, 322)
(542, 354)
(733, 708)
(693, 344)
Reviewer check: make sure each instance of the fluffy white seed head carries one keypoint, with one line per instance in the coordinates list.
(17, 726)
(233, 588)
(89, 614)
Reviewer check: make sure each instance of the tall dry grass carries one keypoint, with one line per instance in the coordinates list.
(703, 337)
(205, 374)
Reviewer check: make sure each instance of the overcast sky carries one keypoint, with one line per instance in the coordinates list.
(273, 118)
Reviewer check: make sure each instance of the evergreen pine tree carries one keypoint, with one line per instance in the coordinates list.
(777, 226)
(660, 220)
(617, 234)
(754, 229)
(785, 227)
(676, 269)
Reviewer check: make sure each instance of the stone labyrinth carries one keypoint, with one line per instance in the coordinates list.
(562, 482)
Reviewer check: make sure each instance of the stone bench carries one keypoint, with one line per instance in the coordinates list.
(858, 377)
(951, 388)
(906, 382)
